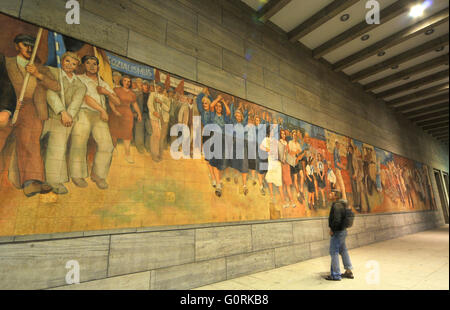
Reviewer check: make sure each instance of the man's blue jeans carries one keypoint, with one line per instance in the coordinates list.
(337, 246)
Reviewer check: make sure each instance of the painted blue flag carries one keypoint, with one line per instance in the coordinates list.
(56, 48)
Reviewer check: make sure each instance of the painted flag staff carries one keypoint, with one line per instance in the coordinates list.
(58, 60)
(27, 77)
(98, 70)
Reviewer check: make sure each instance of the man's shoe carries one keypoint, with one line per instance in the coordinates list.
(348, 275)
(218, 191)
(129, 159)
(36, 187)
(101, 183)
(59, 189)
(140, 149)
(45, 188)
(330, 278)
(80, 182)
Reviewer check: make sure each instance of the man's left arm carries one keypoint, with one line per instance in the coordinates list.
(166, 105)
(105, 89)
(77, 99)
(7, 95)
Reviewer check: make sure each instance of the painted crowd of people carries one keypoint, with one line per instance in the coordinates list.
(277, 156)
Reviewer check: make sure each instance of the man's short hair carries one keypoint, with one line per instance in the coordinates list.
(71, 55)
(89, 57)
(116, 73)
(25, 39)
(145, 82)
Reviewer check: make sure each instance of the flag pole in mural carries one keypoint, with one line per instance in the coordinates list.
(167, 82)
(104, 69)
(56, 48)
(98, 71)
(180, 88)
(27, 76)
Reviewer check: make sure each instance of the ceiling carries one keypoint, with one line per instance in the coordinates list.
(404, 60)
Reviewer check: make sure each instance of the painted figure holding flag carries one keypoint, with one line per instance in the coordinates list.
(32, 108)
(64, 108)
(92, 119)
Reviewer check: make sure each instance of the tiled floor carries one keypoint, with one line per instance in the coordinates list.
(419, 261)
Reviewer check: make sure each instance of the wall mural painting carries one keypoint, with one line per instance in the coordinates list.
(85, 144)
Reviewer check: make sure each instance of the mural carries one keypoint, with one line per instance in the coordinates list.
(88, 141)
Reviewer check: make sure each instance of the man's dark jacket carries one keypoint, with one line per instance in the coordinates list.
(7, 93)
(337, 215)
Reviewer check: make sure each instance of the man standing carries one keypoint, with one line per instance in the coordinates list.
(61, 117)
(92, 119)
(186, 115)
(143, 130)
(159, 107)
(339, 166)
(337, 223)
(165, 111)
(33, 110)
(352, 171)
(137, 126)
(154, 104)
(116, 76)
(176, 101)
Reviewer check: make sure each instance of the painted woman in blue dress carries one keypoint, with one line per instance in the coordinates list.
(204, 102)
(239, 116)
(220, 116)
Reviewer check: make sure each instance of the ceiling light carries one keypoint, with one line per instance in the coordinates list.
(429, 31)
(406, 78)
(382, 53)
(394, 67)
(417, 10)
(345, 17)
(365, 37)
(440, 49)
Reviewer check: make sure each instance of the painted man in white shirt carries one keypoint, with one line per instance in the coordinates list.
(60, 122)
(158, 107)
(92, 119)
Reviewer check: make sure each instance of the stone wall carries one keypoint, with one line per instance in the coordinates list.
(185, 257)
(217, 43)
